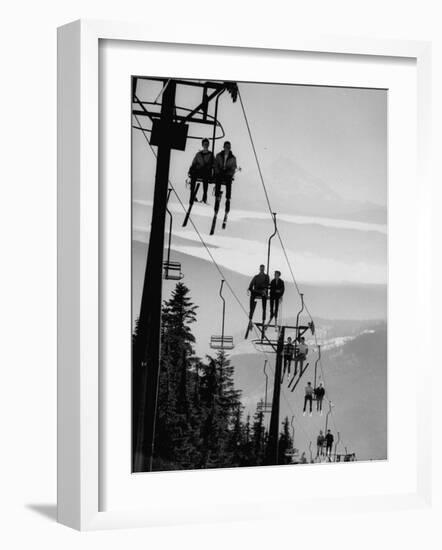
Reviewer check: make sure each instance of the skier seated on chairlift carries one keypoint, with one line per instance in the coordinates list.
(277, 289)
(288, 354)
(201, 168)
(319, 394)
(258, 290)
(308, 397)
(301, 351)
(320, 444)
(225, 168)
(328, 443)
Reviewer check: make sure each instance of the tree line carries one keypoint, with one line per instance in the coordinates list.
(200, 421)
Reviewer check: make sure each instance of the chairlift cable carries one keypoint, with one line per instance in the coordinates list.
(278, 232)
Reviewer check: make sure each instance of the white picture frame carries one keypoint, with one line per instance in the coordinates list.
(79, 410)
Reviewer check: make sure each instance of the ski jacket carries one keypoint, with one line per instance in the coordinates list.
(277, 288)
(202, 164)
(259, 283)
(302, 349)
(289, 349)
(320, 392)
(225, 167)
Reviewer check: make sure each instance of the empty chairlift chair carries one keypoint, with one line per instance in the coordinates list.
(222, 342)
(265, 406)
(172, 270)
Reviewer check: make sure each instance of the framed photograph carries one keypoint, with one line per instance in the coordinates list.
(243, 244)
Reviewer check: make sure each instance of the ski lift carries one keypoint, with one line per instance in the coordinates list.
(211, 181)
(269, 244)
(172, 270)
(252, 311)
(222, 342)
(264, 405)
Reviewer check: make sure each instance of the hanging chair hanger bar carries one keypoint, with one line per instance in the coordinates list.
(267, 381)
(222, 342)
(316, 364)
(298, 315)
(275, 231)
(172, 270)
(215, 118)
(170, 226)
(224, 309)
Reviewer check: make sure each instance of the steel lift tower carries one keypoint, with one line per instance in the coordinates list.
(168, 130)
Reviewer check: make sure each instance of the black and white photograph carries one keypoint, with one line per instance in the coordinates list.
(259, 274)
(222, 229)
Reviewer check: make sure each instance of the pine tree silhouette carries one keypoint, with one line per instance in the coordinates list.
(199, 420)
(285, 442)
(175, 425)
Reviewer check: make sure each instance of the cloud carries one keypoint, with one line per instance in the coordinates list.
(235, 215)
(245, 255)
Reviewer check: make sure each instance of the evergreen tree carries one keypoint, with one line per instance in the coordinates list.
(199, 420)
(222, 405)
(237, 439)
(285, 442)
(175, 425)
(258, 438)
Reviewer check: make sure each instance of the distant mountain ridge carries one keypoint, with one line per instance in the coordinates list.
(309, 195)
(348, 302)
(355, 378)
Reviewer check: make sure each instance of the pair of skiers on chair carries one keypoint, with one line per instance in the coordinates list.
(260, 288)
(205, 167)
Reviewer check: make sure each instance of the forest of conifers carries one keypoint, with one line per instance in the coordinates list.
(200, 420)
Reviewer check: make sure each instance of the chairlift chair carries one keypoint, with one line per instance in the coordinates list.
(222, 342)
(263, 326)
(264, 406)
(172, 270)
